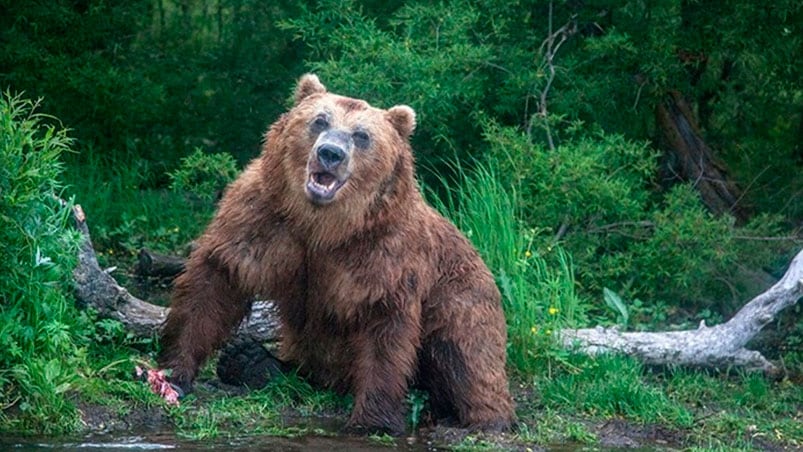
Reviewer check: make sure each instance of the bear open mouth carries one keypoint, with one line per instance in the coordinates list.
(322, 186)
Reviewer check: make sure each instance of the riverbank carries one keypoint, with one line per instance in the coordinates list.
(604, 404)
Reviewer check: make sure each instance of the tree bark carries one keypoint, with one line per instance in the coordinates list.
(690, 159)
(720, 346)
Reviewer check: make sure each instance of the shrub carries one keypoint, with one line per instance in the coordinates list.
(204, 175)
(40, 330)
(595, 195)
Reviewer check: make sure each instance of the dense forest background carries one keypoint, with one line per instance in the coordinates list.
(613, 120)
(653, 148)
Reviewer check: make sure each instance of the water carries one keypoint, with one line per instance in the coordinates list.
(158, 442)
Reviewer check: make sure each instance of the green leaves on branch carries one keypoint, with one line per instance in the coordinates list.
(40, 329)
(204, 175)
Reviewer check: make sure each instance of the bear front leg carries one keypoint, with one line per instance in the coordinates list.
(463, 357)
(205, 307)
(385, 362)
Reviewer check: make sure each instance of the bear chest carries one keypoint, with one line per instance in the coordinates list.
(351, 287)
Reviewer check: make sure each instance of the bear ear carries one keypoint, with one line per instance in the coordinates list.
(308, 85)
(403, 119)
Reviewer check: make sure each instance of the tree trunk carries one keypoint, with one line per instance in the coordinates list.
(690, 159)
(157, 265)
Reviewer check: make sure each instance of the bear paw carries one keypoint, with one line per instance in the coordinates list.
(245, 362)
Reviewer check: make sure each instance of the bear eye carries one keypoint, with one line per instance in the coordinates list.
(361, 138)
(320, 123)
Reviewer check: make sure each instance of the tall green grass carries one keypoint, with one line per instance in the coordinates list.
(125, 212)
(41, 332)
(538, 295)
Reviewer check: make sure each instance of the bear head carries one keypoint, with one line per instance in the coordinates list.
(340, 156)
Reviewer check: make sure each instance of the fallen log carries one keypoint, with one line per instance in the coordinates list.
(97, 289)
(152, 264)
(721, 346)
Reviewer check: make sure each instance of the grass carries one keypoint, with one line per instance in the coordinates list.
(611, 386)
(707, 411)
(125, 212)
(288, 407)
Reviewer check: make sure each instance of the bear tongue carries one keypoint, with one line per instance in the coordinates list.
(324, 179)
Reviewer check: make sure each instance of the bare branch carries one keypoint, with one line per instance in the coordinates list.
(548, 49)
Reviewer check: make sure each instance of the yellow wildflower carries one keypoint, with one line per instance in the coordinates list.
(553, 310)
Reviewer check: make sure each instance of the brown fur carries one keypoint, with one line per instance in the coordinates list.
(376, 291)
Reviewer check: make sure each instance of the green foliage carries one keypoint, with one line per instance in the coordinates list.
(416, 400)
(614, 302)
(712, 411)
(153, 79)
(538, 298)
(431, 56)
(609, 386)
(204, 175)
(150, 81)
(142, 83)
(593, 195)
(124, 215)
(40, 330)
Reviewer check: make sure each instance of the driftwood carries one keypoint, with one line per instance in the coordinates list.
(720, 346)
(97, 289)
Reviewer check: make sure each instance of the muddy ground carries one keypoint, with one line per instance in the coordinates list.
(613, 434)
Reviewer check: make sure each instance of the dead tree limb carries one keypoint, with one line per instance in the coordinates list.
(96, 288)
(719, 346)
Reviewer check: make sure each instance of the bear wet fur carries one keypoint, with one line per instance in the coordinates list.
(376, 291)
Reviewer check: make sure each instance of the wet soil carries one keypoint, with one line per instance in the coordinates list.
(151, 429)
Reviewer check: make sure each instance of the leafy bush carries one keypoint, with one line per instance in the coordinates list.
(40, 331)
(594, 196)
(432, 57)
(204, 175)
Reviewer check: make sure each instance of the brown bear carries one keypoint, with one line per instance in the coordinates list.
(375, 290)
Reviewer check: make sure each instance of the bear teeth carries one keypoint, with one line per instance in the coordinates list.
(324, 180)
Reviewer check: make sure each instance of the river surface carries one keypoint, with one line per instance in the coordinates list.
(157, 442)
(308, 443)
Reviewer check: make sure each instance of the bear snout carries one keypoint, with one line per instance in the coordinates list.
(330, 156)
(327, 171)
